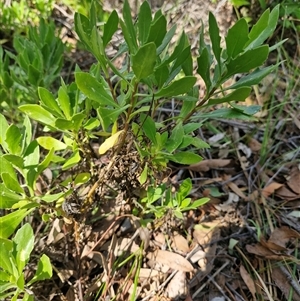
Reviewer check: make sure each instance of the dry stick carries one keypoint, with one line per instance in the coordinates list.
(209, 279)
(218, 287)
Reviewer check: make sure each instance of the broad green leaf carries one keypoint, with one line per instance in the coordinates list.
(150, 129)
(28, 132)
(82, 178)
(248, 110)
(181, 58)
(32, 154)
(10, 221)
(110, 27)
(158, 30)
(91, 124)
(161, 75)
(24, 241)
(93, 89)
(168, 37)
(49, 198)
(109, 142)
(72, 161)
(64, 101)
(64, 124)
(236, 38)
(49, 142)
(144, 175)
(175, 139)
(191, 127)
(144, 60)
(7, 197)
(204, 67)
(239, 94)
(49, 101)
(177, 87)
(128, 28)
(185, 188)
(227, 113)
(199, 143)
(11, 183)
(38, 113)
(83, 28)
(185, 158)
(263, 28)
(3, 126)
(77, 121)
(45, 163)
(14, 160)
(14, 139)
(197, 203)
(215, 38)
(248, 60)
(144, 22)
(5, 166)
(253, 78)
(6, 247)
(108, 116)
(44, 270)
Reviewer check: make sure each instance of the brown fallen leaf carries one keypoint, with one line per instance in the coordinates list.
(281, 236)
(172, 260)
(206, 165)
(179, 243)
(177, 288)
(248, 281)
(270, 189)
(286, 194)
(254, 145)
(294, 180)
(280, 280)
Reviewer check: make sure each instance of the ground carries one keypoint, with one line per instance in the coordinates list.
(242, 245)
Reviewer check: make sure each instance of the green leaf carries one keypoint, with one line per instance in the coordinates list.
(175, 139)
(73, 160)
(177, 87)
(110, 27)
(24, 240)
(10, 221)
(82, 178)
(165, 42)
(3, 126)
(204, 67)
(253, 78)
(150, 129)
(248, 110)
(185, 158)
(247, 61)
(144, 175)
(109, 116)
(93, 89)
(236, 38)
(49, 198)
(185, 188)
(7, 197)
(49, 101)
(144, 60)
(161, 75)
(158, 30)
(239, 94)
(11, 183)
(14, 139)
(91, 124)
(6, 262)
(226, 113)
(48, 142)
(110, 142)
(263, 28)
(14, 160)
(64, 101)
(44, 270)
(83, 28)
(197, 203)
(144, 22)
(5, 166)
(38, 113)
(128, 28)
(215, 38)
